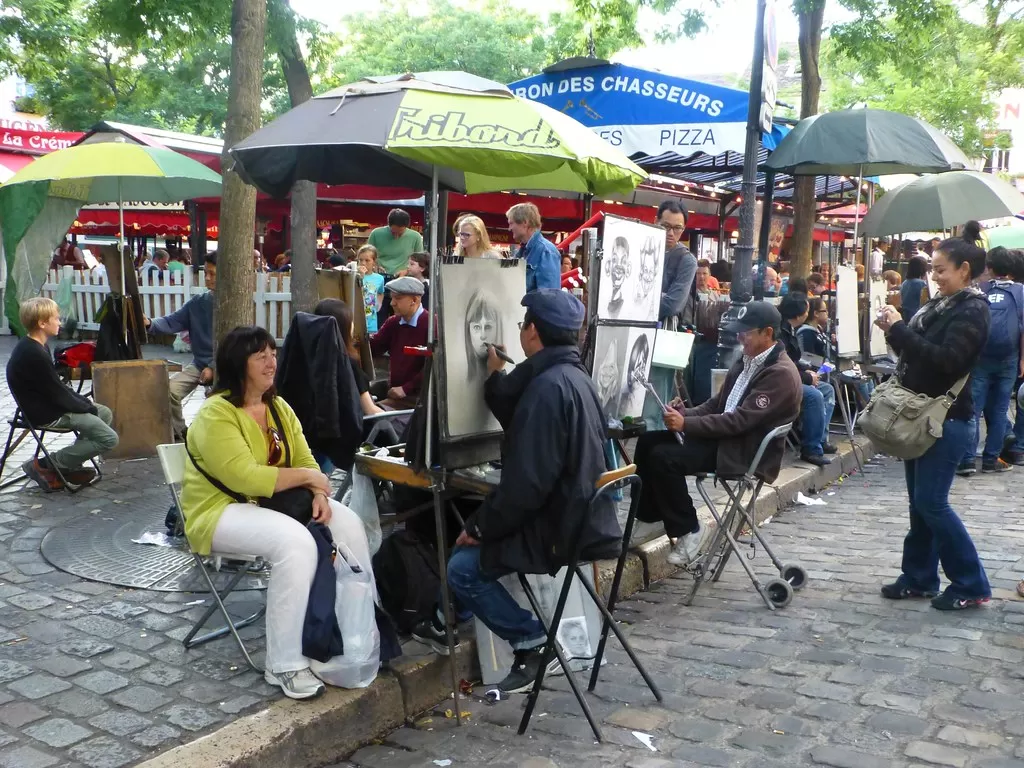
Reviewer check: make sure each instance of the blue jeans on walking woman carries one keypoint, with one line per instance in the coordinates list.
(936, 534)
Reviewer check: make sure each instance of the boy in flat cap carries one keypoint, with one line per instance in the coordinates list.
(553, 456)
(407, 327)
(760, 392)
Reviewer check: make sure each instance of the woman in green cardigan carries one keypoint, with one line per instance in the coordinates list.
(236, 439)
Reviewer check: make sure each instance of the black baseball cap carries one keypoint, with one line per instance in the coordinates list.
(754, 316)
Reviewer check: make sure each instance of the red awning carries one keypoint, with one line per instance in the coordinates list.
(137, 223)
(11, 163)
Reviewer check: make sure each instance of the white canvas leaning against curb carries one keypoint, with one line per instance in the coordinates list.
(578, 633)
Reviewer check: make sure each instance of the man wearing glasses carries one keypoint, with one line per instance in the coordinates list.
(677, 297)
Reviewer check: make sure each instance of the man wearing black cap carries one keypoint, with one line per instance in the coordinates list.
(819, 398)
(761, 392)
(552, 457)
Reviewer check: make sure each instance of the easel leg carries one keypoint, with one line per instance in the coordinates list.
(446, 602)
(848, 421)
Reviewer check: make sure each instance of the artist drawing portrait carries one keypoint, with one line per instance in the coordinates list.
(479, 306)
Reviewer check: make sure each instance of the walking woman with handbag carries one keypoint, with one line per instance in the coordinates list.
(252, 485)
(938, 347)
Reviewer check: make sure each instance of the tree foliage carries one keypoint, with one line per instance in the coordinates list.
(493, 40)
(942, 61)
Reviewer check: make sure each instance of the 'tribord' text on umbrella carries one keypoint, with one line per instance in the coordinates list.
(414, 125)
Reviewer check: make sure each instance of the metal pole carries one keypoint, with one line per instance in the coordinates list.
(439, 522)
(739, 292)
(767, 202)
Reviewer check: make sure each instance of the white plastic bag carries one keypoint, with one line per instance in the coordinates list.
(362, 499)
(353, 606)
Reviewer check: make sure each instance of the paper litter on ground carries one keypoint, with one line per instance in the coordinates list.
(808, 502)
(645, 739)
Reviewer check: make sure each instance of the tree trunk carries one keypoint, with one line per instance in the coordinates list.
(810, 14)
(234, 303)
(303, 220)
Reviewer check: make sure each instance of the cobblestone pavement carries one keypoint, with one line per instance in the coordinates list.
(840, 678)
(95, 675)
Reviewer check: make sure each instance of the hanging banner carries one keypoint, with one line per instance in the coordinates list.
(643, 112)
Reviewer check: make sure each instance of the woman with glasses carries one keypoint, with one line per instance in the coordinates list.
(473, 241)
(247, 442)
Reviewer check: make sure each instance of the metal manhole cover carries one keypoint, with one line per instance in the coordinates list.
(99, 547)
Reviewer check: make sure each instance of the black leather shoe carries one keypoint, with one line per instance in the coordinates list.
(828, 449)
(818, 461)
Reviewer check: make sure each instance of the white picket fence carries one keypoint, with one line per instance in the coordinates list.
(166, 292)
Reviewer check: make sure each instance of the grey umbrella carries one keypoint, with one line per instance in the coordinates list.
(942, 201)
(865, 142)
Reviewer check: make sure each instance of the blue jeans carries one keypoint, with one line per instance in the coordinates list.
(936, 533)
(1017, 427)
(815, 414)
(490, 601)
(991, 388)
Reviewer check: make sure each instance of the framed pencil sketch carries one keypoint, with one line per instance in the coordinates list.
(619, 352)
(478, 305)
(633, 261)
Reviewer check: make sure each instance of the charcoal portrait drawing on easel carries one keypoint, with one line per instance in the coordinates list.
(480, 306)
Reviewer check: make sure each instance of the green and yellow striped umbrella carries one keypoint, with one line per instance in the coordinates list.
(113, 171)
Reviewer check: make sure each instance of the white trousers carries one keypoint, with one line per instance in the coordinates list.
(288, 546)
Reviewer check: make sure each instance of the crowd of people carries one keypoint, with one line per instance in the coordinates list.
(249, 444)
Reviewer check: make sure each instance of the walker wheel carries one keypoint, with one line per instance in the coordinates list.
(795, 575)
(779, 592)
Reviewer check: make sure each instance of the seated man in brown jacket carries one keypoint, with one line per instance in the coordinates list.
(761, 392)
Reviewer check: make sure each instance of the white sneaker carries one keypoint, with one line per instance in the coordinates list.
(296, 685)
(686, 548)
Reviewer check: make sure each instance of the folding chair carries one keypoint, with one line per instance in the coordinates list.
(19, 421)
(607, 486)
(776, 593)
(172, 461)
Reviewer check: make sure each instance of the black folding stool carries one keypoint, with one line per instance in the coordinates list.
(607, 484)
(19, 421)
(776, 593)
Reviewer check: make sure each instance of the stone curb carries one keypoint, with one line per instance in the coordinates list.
(301, 734)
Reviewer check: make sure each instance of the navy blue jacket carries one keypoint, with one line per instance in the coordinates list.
(321, 637)
(552, 457)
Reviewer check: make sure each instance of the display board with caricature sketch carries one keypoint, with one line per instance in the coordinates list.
(479, 304)
(619, 352)
(847, 316)
(629, 287)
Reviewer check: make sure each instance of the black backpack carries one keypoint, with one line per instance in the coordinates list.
(408, 581)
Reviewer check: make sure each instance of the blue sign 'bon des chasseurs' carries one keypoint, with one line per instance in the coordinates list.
(643, 112)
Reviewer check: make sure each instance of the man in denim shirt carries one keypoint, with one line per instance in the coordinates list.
(543, 261)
